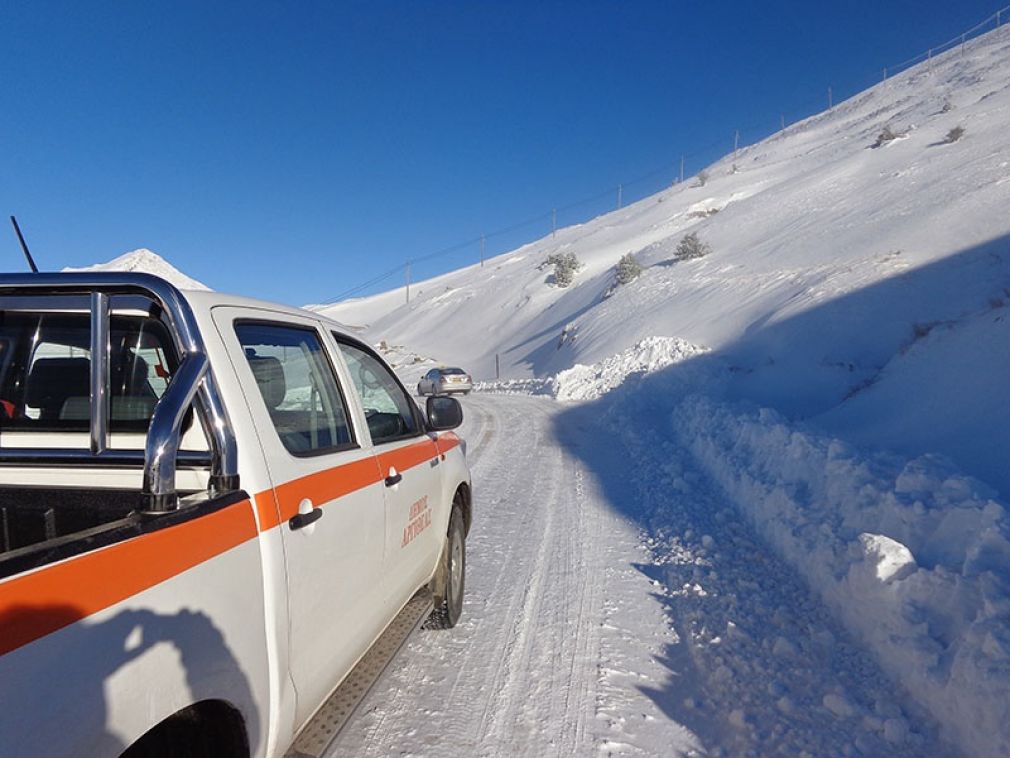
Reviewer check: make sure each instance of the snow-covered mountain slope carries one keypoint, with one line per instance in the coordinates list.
(148, 262)
(839, 271)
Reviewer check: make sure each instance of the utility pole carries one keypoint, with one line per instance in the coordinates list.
(682, 169)
(620, 191)
(962, 45)
(830, 99)
(408, 282)
(885, 74)
(554, 222)
(736, 142)
(782, 121)
(482, 251)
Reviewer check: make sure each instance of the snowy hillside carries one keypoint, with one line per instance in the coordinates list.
(836, 367)
(148, 262)
(838, 270)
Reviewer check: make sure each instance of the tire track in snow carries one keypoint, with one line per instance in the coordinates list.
(520, 674)
(581, 692)
(499, 713)
(400, 700)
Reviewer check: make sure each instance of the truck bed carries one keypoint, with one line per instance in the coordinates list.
(34, 515)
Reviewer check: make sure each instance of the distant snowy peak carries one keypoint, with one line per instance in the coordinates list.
(147, 262)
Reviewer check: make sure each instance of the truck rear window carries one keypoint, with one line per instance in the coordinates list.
(45, 371)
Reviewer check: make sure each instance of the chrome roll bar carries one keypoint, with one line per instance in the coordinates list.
(192, 385)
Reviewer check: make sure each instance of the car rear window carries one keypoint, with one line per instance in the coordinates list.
(45, 371)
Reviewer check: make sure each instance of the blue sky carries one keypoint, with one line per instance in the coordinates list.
(293, 150)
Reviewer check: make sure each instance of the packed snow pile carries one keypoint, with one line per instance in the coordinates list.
(649, 355)
(147, 262)
(913, 556)
(590, 382)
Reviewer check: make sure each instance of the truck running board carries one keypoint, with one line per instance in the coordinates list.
(317, 735)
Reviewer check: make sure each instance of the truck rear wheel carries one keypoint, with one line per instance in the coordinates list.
(208, 729)
(449, 608)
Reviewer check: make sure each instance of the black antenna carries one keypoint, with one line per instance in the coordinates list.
(24, 246)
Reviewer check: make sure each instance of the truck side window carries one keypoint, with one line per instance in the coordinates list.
(388, 409)
(298, 386)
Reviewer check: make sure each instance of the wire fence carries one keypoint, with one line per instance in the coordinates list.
(644, 185)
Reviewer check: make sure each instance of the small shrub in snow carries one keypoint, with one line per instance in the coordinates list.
(954, 135)
(627, 269)
(702, 178)
(691, 247)
(567, 335)
(565, 267)
(887, 135)
(947, 107)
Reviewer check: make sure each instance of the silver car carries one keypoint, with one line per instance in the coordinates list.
(443, 381)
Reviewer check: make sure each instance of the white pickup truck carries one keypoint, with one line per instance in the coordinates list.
(210, 509)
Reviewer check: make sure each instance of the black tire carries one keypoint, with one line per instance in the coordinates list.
(448, 609)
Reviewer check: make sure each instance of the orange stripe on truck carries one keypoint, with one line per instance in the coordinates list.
(407, 457)
(446, 442)
(280, 504)
(322, 487)
(50, 598)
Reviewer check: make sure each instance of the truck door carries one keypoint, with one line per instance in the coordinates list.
(328, 493)
(409, 462)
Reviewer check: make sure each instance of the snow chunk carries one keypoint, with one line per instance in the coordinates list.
(839, 705)
(889, 559)
(895, 731)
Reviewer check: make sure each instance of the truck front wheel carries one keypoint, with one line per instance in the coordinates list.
(449, 608)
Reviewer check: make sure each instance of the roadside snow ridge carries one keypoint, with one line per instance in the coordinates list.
(646, 356)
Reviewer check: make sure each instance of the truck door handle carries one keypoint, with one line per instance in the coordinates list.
(307, 514)
(304, 519)
(394, 477)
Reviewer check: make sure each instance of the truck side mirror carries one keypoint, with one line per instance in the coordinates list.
(443, 413)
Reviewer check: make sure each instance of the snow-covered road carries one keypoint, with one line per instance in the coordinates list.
(608, 615)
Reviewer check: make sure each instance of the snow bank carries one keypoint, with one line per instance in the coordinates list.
(912, 556)
(648, 355)
(590, 382)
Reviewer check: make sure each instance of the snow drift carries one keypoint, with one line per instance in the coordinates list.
(911, 555)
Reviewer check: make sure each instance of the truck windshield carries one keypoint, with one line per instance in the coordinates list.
(45, 371)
